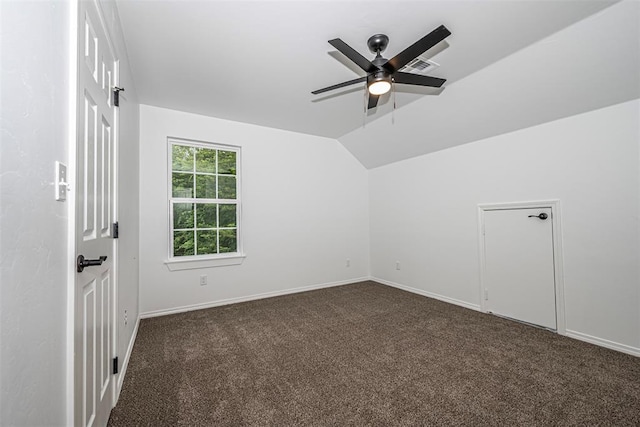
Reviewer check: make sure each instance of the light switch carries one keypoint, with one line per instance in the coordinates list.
(61, 183)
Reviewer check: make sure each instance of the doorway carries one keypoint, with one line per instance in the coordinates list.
(521, 262)
(95, 212)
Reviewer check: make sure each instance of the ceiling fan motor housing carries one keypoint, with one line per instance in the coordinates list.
(378, 76)
(379, 61)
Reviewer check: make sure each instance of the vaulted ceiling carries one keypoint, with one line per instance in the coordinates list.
(258, 61)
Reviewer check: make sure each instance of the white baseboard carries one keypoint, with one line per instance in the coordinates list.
(461, 303)
(571, 334)
(228, 301)
(604, 343)
(125, 361)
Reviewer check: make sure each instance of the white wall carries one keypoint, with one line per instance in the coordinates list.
(305, 211)
(33, 262)
(424, 214)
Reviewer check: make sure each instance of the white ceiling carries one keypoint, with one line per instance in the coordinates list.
(257, 62)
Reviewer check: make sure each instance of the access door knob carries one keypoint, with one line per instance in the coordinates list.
(542, 216)
(82, 262)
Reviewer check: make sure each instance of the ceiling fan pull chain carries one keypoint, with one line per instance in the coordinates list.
(364, 113)
(393, 93)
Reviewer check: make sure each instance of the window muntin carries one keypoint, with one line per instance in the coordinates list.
(204, 200)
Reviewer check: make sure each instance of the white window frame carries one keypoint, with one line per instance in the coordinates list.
(208, 260)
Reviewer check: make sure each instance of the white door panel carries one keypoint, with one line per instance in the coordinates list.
(95, 204)
(519, 265)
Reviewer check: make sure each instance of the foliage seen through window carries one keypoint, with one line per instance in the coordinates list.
(204, 204)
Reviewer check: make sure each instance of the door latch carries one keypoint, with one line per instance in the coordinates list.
(82, 262)
(542, 216)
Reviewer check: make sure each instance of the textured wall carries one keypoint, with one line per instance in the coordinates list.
(33, 264)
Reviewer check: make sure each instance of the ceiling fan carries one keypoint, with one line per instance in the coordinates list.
(382, 72)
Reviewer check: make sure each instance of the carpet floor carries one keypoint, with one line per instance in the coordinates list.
(368, 354)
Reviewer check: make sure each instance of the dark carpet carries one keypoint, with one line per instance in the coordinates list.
(368, 354)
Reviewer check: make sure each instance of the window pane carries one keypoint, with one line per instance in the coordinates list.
(182, 215)
(227, 188)
(227, 162)
(206, 214)
(207, 242)
(228, 241)
(182, 158)
(205, 186)
(182, 185)
(205, 160)
(227, 215)
(183, 243)
(201, 176)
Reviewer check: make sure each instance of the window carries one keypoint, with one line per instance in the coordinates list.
(204, 203)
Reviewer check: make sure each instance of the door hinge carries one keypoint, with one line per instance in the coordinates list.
(486, 294)
(115, 365)
(115, 230)
(116, 95)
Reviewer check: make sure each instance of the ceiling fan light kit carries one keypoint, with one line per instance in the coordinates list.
(382, 72)
(379, 84)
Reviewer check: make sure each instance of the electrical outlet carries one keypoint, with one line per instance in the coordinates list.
(203, 280)
(397, 265)
(348, 264)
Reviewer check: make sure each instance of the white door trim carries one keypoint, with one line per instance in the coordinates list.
(554, 205)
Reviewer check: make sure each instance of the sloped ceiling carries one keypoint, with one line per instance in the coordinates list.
(590, 65)
(257, 62)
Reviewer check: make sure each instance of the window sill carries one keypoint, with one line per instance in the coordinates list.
(190, 264)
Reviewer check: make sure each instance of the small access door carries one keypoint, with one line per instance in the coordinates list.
(519, 280)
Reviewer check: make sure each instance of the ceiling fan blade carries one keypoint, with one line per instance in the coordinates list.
(353, 55)
(416, 79)
(339, 85)
(416, 49)
(373, 101)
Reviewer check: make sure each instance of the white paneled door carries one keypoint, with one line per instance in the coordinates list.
(95, 210)
(519, 265)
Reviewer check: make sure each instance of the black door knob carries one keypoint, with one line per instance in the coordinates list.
(542, 216)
